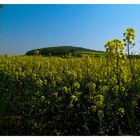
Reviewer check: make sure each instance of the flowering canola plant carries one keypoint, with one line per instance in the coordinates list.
(71, 96)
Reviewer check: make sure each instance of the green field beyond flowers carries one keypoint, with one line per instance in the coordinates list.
(72, 96)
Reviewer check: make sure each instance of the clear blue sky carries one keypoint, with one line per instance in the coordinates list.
(26, 27)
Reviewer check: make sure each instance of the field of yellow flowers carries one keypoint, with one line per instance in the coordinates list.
(71, 96)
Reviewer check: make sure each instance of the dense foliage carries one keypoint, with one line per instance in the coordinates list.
(1, 5)
(71, 96)
(62, 51)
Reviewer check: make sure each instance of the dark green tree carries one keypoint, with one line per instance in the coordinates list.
(1, 5)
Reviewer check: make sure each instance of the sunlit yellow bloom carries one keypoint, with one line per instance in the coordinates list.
(42, 99)
(93, 108)
(91, 86)
(76, 85)
(64, 89)
(121, 112)
(134, 104)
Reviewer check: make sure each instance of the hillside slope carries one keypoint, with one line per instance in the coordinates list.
(61, 51)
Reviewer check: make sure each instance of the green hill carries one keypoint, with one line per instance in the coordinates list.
(63, 51)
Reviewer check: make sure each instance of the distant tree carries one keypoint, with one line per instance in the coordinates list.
(1, 5)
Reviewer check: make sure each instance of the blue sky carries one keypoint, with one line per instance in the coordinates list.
(26, 27)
